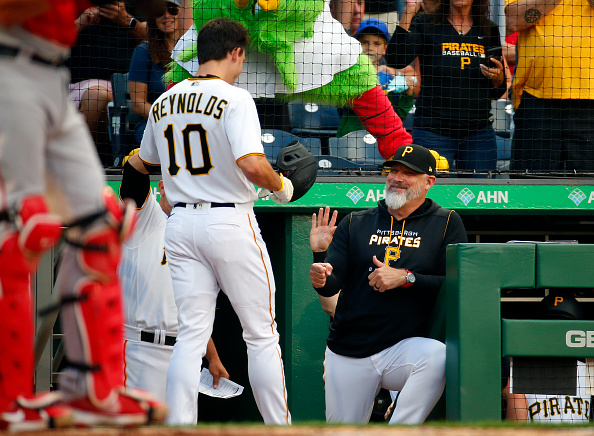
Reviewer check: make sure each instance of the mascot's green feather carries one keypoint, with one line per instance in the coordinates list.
(275, 33)
(344, 87)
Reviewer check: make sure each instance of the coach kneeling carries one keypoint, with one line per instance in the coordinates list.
(389, 262)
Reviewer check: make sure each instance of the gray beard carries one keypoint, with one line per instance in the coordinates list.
(396, 201)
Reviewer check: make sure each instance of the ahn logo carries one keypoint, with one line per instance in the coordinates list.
(466, 196)
(355, 194)
(486, 197)
(577, 196)
(579, 339)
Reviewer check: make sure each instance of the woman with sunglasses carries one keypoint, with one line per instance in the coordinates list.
(149, 62)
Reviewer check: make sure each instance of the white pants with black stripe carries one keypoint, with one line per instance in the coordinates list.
(209, 249)
(145, 366)
(413, 366)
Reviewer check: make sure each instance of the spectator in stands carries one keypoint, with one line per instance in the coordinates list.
(509, 51)
(149, 62)
(460, 78)
(373, 35)
(349, 13)
(107, 38)
(384, 10)
(552, 90)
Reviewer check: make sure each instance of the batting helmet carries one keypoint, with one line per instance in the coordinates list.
(297, 164)
(561, 305)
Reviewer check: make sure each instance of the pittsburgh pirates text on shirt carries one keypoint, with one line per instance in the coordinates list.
(407, 241)
(189, 102)
(462, 49)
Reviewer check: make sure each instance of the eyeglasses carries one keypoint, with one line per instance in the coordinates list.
(172, 9)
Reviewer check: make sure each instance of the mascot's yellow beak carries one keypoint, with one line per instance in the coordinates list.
(267, 5)
(241, 3)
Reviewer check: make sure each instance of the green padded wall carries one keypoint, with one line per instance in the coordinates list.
(477, 337)
(564, 265)
(306, 326)
(476, 273)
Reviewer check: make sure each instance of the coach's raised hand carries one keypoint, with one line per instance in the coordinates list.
(322, 231)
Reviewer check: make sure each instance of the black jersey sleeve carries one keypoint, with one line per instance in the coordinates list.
(405, 45)
(135, 185)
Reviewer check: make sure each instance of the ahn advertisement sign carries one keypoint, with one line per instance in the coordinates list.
(353, 196)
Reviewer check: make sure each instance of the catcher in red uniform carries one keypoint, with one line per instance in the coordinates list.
(44, 141)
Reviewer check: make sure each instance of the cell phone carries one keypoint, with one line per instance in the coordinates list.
(495, 52)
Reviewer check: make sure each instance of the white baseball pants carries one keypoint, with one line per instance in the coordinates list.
(414, 366)
(209, 249)
(145, 364)
(42, 134)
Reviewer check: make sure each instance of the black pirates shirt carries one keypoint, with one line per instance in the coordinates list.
(368, 321)
(455, 97)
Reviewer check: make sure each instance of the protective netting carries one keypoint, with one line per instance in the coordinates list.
(500, 89)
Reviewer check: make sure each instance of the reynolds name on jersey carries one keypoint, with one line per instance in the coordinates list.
(189, 102)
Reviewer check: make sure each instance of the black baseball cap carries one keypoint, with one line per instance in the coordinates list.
(561, 304)
(414, 156)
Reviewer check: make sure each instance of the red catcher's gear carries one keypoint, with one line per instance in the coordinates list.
(37, 412)
(88, 277)
(16, 323)
(57, 24)
(32, 231)
(378, 117)
(38, 229)
(132, 407)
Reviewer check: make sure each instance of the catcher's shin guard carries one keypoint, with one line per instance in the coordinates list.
(378, 117)
(38, 229)
(29, 231)
(16, 323)
(93, 322)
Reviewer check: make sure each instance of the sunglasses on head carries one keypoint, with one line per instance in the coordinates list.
(173, 9)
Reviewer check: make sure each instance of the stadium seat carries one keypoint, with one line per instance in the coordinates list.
(121, 119)
(359, 147)
(501, 115)
(313, 120)
(334, 165)
(503, 154)
(274, 140)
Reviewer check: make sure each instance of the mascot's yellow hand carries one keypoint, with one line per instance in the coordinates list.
(268, 5)
(241, 3)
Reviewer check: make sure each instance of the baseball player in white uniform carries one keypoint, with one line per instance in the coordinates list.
(574, 409)
(43, 137)
(205, 134)
(150, 315)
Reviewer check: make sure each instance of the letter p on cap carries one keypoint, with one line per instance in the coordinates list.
(558, 300)
(407, 150)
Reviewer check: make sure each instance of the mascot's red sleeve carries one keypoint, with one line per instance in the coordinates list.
(378, 117)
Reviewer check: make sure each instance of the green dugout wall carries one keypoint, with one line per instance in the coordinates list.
(491, 209)
(477, 336)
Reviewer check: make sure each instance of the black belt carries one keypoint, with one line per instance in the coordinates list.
(211, 204)
(150, 337)
(14, 52)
